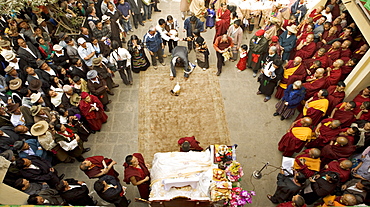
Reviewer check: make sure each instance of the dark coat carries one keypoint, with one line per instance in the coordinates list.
(135, 8)
(43, 174)
(61, 60)
(285, 189)
(112, 195)
(24, 54)
(296, 99)
(287, 43)
(77, 196)
(8, 142)
(180, 52)
(187, 26)
(74, 71)
(99, 90)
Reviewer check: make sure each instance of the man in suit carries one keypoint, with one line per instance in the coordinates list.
(299, 10)
(287, 41)
(31, 147)
(7, 138)
(24, 132)
(110, 190)
(28, 52)
(76, 68)
(75, 192)
(136, 10)
(37, 169)
(47, 197)
(180, 59)
(71, 48)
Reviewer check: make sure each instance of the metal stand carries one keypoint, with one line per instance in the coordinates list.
(257, 173)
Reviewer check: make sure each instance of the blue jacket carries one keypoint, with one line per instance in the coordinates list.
(296, 99)
(153, 43)
(187, 26)
(34, 145)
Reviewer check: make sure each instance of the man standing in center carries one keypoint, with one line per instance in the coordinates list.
(222, 44)
(180, 59)
(257, 47)
(153, 42)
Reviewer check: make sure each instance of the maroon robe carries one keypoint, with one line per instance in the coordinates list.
(359, 98)
(356, 54)
(345, 55)
(98, 166)
(314, 15)
(223, 24)
(333, 54)
(288, 204)
(289, 144)
(323, 59)
(94, 118)
(194, 144)
(350, 138)
(334, 77)
(326, 135)
(303, 36)
(314, 86)
(334, 98)
(334, 166)
(335, 152)
(315, 114)
(346, 70)
(139, 174)
(304, 169)
(299, 74)
(346, 118)
(306, 51)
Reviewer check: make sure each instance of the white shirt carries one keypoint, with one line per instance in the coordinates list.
(17, 120)
(84, 52)
(15, 65)
(120, 54)
(162, 32)
(30, 51)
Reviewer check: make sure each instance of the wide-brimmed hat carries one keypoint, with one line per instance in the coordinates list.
(15, 84)
(274, 20)
(104, 18)
(4, 43)
(92, 74)
(57, 47)
(9, 56)
(7, 154)
(292, 29)
(9, 69)
(35, 97)
(97, 61)
(12, 107)
(18, 145)
(40, 20)
(75, 99)
(39, 128)
(35, 110)
(35, 84)
(39, 63)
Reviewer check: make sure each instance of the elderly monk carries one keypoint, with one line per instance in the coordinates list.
(359, 53)
(93, 110)
(316, 107)
(293, 71)
(336, 95)
(338, 148)
(345, 200)
(346, 53)
(189, 143)
(319, 55)
(341, 166)
(308, 162)
(325, 131)
(344, 113)
(298, 134)
(315, 84)
(348, 67)
(97, 166)
(306, 48)
(334, 72)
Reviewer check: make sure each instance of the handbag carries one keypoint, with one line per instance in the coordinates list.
(121, 64)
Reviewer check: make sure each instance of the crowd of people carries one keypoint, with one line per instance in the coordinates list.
(55, 90)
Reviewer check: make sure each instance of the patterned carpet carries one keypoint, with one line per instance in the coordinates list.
(163, 119)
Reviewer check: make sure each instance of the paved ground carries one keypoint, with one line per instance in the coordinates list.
(250, 122)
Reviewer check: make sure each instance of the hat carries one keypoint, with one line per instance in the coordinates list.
(260, 32)
(57, 47)
(84, 94)
(39, 63)
(15, 84)
(12, 107)
(66, 88)
(35, 110)
(274, 38)
(35, 84)
(9, 69)
(40, 20)
(274, 20)
(39, 128)
(152, 28)
(7, 154)
(75, 99)
(4, 43)
(292, 29)
(91, 74)
(81, 40)
(35, 97)
(18, 145)
(61, 35)
(97, 61)
(9, 56)
(185, 146)
(105, 18)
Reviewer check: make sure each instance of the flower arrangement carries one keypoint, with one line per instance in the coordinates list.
(240, 197)
(234, 172)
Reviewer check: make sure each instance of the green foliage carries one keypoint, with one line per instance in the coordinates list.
(9, 7)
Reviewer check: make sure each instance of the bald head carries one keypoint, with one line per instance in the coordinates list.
(297, 60)
(346, 44)
(349, 200)
(342, 141)
(335, 124)
(339, 63)
(319, 73)
(315, 153)
(306, 121)
(336, 45)
(346, 164)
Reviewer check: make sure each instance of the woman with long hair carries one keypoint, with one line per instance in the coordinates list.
(139, 61)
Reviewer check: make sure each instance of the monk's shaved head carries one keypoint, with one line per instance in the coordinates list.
(342, 141)
(306, 121)
(336, 45)
(348, 200)
(315, 153)
(346, 164)
(320, 70)
(335, 124)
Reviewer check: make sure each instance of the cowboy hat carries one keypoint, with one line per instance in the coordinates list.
(12, 107)
(40, 20)
(39, 63)
(18, 145)
(15, 84)
(91, 74)
(4, 43)
(9, 69)
(9, 56)
(35, 110)
(57, 47)
(97, 61)
(292, 29)
(75, 99)
(35, 84)
(39, 128)
(35, 97)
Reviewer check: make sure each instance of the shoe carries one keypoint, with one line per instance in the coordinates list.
(62, 175)
(164, 56)
(276, 114)
(128, 202)
(266, 99)
(282, 118)
(204, 69)
(155, 67)
(150, 19)
(110, 93)
(143, 22)
(106, 109)
(158, 10)
(218, 73)
(115, 86)
(269, 196)
(131, 30)
(86, 150)
(164, 64)
(131, 83)
(127, 33)
(135, 28)
(259, 93)
(254, 75)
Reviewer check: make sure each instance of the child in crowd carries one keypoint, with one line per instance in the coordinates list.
(211, 18)
(242, 64)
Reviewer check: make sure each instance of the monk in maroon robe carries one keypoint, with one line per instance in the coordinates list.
(362, 111)
(193, 144)
(363, 96)
(341, 166)
(346, 53)
(336, 95)
(321, 56)
(308, 162)
(97, 166)
(297, 200)
(326, 39)
(334, 52)
(222, 21)
(297, 136)
(334, 72)
(359, 53)
(340, 148)
(344, 113)
(306, 48)
(315, 84)
(349, 133)
(316, 13)
(347, 68)
(325, 132)
(315, 107)
(93, 110)
(137, 173)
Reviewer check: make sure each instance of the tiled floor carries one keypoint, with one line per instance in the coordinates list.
(250, 122)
